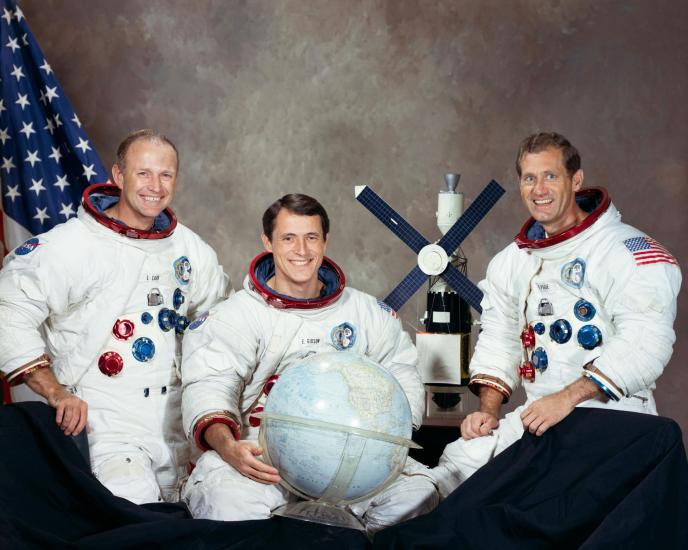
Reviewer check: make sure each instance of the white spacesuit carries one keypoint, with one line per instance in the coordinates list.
(601, 295)
(231, 359)
(108, 304)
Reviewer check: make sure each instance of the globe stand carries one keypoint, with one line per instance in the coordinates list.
(320, 512)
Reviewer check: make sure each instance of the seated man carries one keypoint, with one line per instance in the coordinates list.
(91, 315)
(293, 303)
(580, 306)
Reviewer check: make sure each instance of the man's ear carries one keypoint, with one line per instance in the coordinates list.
(266, 242)
(578, 180)
(117, 176)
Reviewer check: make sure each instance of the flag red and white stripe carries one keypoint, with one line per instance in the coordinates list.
(648, 251)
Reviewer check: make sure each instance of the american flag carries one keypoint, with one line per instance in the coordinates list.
(648, 251)
(46, 158)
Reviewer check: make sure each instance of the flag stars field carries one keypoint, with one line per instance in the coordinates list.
(37, 186)
(12, 192)
(37, 122)
(51, 93)
(89, 172)
(67, 210)
(4, 135)
(12, 44)
(42, 214)
(22, 101)
(61, 182)
(7, 164)
(83, 145)
(32, 158)
(17, 72)
(55, 155)
(48, 70)
(27, 129)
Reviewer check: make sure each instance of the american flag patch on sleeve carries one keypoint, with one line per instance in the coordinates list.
(648, 251)
(388, 309)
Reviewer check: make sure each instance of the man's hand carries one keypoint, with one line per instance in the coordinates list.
(544, 413)
(478, 424)
(240, 454)
(482, 422)
(71, 412)
(541, 415)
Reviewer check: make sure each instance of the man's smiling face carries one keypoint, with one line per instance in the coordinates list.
(298, 248)
(147, 181)
(548, 191)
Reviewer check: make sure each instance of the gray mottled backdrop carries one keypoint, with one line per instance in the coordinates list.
(266, 97)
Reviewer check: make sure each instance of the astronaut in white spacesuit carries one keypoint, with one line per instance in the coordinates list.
(580, 309)
(92, 312)
(294, 304)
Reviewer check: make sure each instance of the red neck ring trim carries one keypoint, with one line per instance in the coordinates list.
(281, 302)
(524, 242)
(113, 191)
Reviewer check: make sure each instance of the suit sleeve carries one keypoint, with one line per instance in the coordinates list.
(211, 284)
(34, 286)
(218, 360)
(642, 304)
(391, 346)
(498, 349)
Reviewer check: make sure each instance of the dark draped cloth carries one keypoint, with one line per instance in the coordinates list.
(50, 499)
(598, 479)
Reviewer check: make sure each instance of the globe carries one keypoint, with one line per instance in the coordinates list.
(337, 427)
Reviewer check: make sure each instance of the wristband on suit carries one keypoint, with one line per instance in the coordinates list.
(208, 420)
(493, 382)
(19, 376)
(603, 385)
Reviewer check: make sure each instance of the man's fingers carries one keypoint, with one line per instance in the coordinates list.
(266, 478)
(528, 422)
(69, 430)
(261, 476)
(71, 414)
(251, 465)
(256, 451)
(478, 425)
(59, 413)
(66, 417)
(73, 421)
(526, 412)
(264, 468)
(468, 435)
(476, 422)
(542, 429)
(485, 429)
(82, 423)
(467, 431)
(535, 424)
